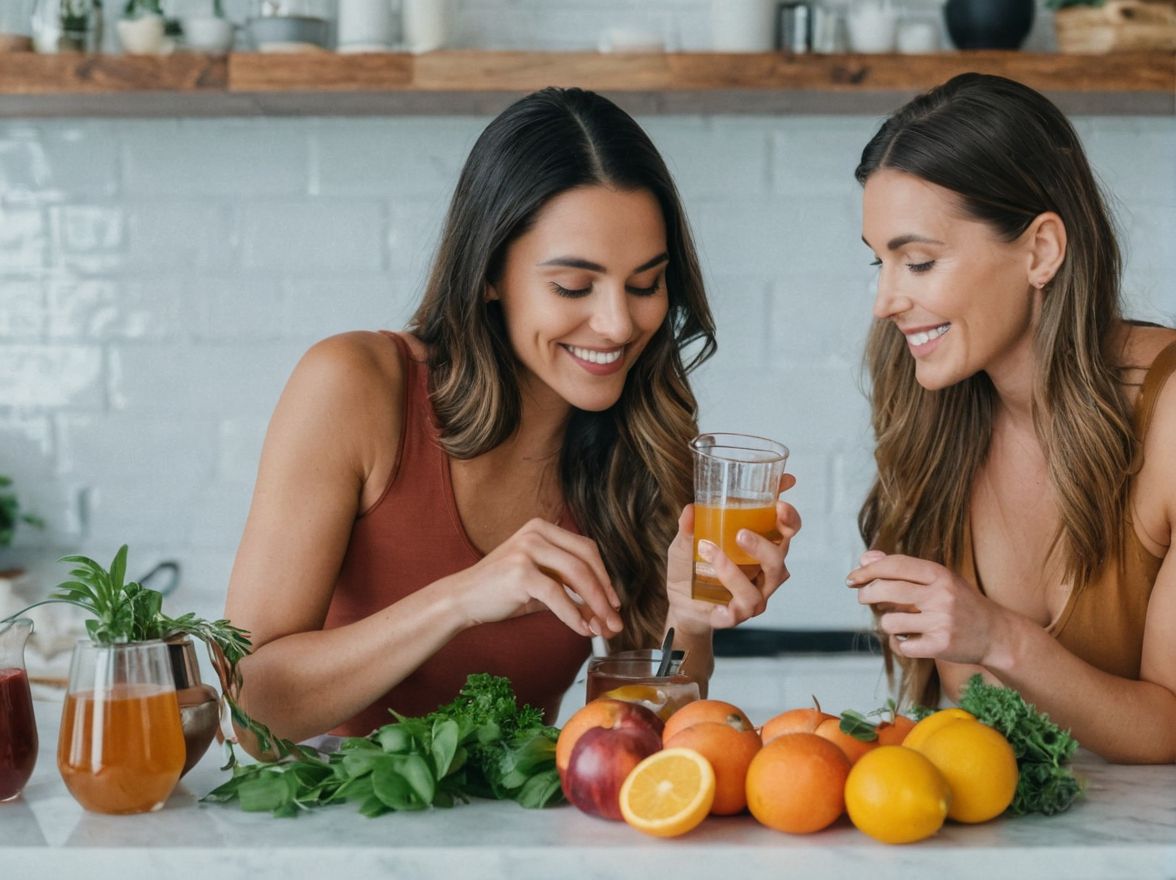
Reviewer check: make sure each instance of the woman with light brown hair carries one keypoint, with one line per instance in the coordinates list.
(1021, 521)
(487, 491)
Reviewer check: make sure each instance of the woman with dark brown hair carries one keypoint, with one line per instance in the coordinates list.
(1021, 521)
(486, 492)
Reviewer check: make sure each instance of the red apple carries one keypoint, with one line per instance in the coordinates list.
(599, 764)
(606, 713)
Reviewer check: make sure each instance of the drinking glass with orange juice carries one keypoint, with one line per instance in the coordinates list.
(736, 484)
(121, 747)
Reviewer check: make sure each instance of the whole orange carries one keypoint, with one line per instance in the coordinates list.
(805, 720)
(700, 711)
(796, 783)
(730, 751)
(892, 733)
(853, 747)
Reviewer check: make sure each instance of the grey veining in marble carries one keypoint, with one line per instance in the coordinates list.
(1125, 827)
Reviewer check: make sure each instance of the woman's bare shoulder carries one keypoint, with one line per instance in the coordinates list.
(354, 382)
(357, 368)
(1141, 344)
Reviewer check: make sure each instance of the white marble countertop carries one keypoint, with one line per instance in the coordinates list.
(1125, 827)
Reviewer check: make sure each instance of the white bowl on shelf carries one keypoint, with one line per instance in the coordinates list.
(207, 33)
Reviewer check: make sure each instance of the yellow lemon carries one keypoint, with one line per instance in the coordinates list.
(668, 793)
(896, 795)
(980, 768)
(932, 723)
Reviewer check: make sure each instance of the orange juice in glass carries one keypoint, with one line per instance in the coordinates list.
(736, 484)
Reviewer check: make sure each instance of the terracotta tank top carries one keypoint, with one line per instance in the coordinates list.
(1104, 622)
(413, 535)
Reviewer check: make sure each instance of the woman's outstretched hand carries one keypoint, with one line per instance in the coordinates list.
(749, 595)
(926, 610)
(541, 566)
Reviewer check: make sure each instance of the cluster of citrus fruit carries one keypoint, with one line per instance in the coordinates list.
(897, 780)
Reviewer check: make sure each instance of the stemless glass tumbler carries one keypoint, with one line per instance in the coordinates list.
(736, 484)
(121, 747)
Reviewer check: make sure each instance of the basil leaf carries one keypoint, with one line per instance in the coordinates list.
(263, 794)
(444, 748)
(416, 772)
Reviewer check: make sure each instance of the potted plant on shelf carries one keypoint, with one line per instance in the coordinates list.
(12, 517)
(142, 29)
(1096, 27)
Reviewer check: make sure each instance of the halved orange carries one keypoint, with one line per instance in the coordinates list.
(668, 793)
(655, 699)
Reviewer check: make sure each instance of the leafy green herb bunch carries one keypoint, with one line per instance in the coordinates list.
(483, 744)
(125, 611)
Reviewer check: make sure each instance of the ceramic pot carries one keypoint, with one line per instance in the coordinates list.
(988, 24)
(144, 35)
(208, 34)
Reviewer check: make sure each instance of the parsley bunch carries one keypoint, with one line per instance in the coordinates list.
(1042, 748)
(482, 744)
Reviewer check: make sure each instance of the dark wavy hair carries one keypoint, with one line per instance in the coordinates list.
(626, 472)
(1010, 155)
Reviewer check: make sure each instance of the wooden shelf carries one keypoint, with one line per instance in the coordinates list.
(187, 84)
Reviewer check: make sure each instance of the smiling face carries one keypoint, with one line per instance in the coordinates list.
(959, 294)
(583, 291)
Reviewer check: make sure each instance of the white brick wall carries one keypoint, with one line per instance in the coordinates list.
(159, 279)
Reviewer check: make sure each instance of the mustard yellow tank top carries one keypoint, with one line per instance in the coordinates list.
(1104, 622)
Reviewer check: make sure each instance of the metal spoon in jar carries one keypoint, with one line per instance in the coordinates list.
(667, 654)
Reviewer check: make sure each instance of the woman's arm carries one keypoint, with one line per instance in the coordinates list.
(1121, 719)
(327, 456)
(320, 463)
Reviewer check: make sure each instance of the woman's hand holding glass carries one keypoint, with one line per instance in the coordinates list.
(541, 566)
(749, 595)
(927, 610)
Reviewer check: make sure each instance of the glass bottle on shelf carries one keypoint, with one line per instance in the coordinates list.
(67, 25)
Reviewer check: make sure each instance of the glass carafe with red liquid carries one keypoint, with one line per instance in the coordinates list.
(18, 729)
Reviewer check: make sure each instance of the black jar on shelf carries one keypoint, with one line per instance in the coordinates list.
(988, 24)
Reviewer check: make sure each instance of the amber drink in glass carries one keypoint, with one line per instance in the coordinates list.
(632, 676)
(736, 484)
(121, 746)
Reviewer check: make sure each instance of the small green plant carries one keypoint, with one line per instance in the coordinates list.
(11, 515)
(136, 8)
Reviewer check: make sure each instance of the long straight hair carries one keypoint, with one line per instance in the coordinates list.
(1010, 155)
(625, 472)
